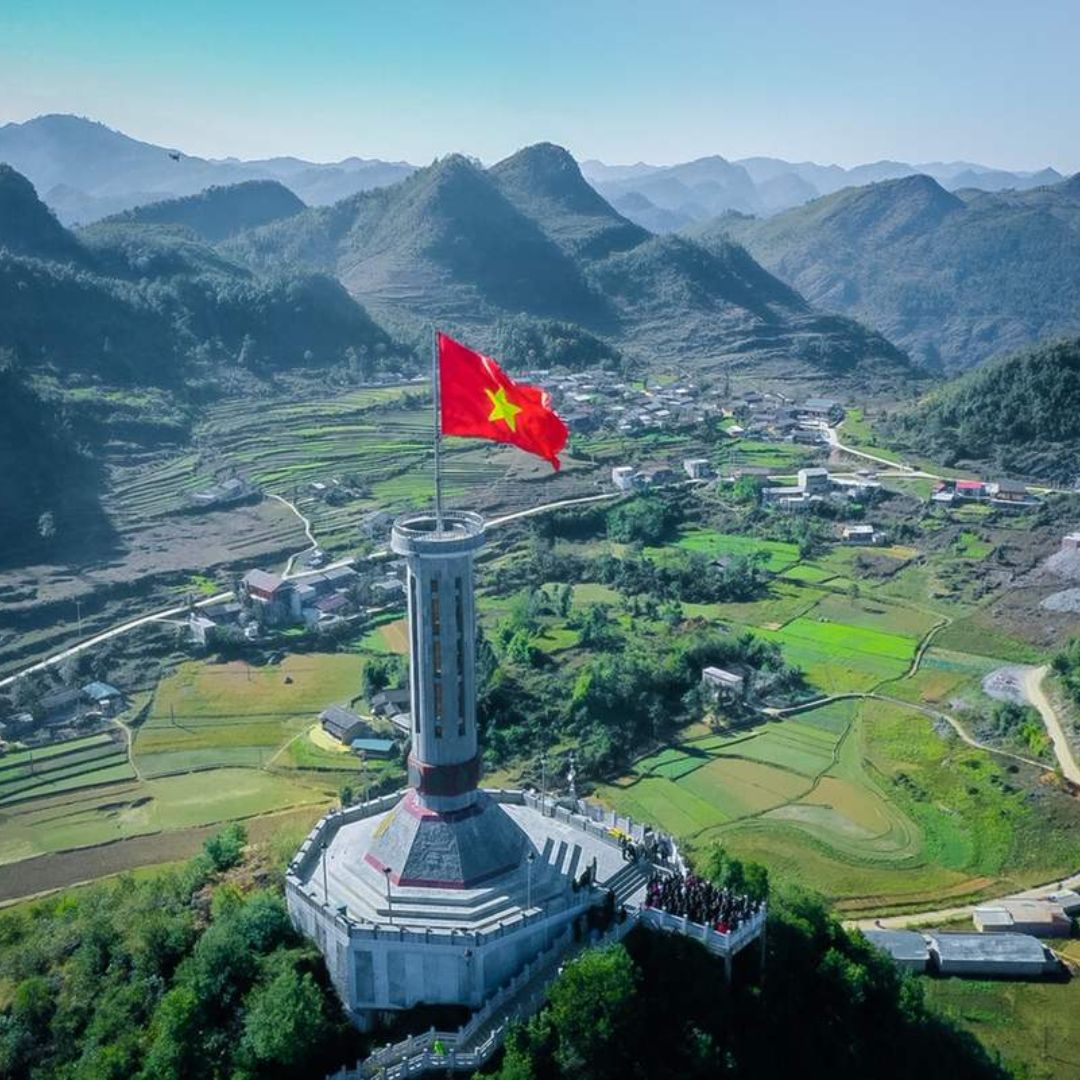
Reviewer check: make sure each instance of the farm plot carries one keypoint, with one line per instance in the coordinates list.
(698, 785)
(85, 818)
(879, 811)
(838, 657)
(96, 760)
(712, 544)
(214, 715)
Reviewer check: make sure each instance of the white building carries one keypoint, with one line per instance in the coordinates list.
(723, 684)
(859, 534)
(697, 468)
(624, 477)
(815, 481)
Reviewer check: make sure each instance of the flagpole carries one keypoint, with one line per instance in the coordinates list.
(435, 418)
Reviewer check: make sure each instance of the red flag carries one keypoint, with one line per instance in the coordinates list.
(479, 400)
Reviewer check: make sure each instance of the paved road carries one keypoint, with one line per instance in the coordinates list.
(1033, 691)
(943, 915)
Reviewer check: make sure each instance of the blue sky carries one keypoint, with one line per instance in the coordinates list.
(622, 81)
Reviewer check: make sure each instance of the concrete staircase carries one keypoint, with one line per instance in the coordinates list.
(628, 881)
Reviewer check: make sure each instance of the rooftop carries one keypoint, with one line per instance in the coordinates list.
(899, 944)
(999, 948)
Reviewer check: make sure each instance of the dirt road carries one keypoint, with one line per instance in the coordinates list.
(1033, 691)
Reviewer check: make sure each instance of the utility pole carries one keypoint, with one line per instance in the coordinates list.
(543, 783)
(529, 860)
(389, 902)
(78, 615)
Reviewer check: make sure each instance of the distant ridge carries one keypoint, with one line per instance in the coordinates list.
(220, 212)
(529, 238)
(545, 183)
(953, 277)
(86, 171)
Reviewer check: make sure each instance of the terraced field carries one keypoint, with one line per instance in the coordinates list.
(862, 801)
(66, 766)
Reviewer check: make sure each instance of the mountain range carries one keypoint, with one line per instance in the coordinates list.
(667, 198)
(112, 336)
(953, 277)
(467, 246)
(86, 171)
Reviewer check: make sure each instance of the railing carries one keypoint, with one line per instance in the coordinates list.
(417, 1054)
(718, 944)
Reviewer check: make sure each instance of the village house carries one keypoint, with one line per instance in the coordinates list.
(815, 481)
(342, 724)
(225, 493)
(821, 409)
(859, 534)
(104, 697)
(624, 477)
(1010, 493)
(697, 468)
(276, 599)
(1042, 918)
(722, 685)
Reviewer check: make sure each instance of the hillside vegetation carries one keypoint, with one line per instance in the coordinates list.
(529, 237)
(220, 212)
(953, 278)
(1020, 413)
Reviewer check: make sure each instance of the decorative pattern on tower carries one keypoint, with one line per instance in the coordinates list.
(445, 833)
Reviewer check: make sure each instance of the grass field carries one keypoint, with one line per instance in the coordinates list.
(213, 715)
(1033, 1026)
(862, 801)
(98, 816)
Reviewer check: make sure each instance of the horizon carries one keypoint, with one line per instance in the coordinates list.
(581, 160)
(836, 85)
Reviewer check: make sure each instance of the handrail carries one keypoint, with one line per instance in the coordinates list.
(415, 1054)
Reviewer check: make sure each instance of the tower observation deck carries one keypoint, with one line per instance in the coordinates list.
(445, 892)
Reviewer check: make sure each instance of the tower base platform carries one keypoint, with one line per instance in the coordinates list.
(411, 908)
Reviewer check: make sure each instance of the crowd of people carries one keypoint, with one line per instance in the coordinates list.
(699, 900)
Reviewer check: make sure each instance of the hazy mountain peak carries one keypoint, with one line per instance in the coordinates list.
(27, 225)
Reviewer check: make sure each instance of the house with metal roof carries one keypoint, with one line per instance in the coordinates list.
(343, 724)
(908, 949)
(1015, 956)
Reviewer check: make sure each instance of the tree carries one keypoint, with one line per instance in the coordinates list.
(285, 1021)
(226, 847)
(590, 1004)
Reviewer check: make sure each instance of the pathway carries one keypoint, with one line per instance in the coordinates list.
(1033, 691)
(306, 522)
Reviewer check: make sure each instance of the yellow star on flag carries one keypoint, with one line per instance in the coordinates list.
(502, 408)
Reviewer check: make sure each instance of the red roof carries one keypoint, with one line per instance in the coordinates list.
(969, 485)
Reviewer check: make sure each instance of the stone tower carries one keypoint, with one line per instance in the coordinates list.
(446, 832)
